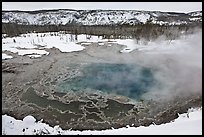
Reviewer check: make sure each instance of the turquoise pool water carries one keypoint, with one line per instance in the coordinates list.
(120, 79)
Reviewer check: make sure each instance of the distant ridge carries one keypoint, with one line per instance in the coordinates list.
(98, 17)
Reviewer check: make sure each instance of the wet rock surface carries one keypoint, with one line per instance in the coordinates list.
(30, 87)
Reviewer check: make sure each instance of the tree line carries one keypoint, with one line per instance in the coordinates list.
(146, 31)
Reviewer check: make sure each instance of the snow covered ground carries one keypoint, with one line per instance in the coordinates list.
(5, 56)
(189, 123)
(35, 44)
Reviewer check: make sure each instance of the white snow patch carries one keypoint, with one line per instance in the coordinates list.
(5, 56)
(35, 56)
(129, 43)
(101, 44)
(143, 17)
(194, 19)
(85, 43)
(27, 44)
(23, 52)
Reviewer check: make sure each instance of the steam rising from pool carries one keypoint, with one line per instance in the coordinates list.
(151, 74)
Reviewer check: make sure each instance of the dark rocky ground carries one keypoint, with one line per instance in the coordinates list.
(29, 87)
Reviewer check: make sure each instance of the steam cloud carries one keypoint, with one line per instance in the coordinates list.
(176, 67)
(180, 70)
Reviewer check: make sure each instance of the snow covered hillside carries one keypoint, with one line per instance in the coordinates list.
(189, 123)
(98, 17)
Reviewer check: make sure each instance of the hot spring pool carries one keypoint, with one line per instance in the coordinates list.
(120, 79)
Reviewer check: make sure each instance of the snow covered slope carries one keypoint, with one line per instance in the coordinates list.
(98, 17)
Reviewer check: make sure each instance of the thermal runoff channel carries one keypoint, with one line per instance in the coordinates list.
(120, 79)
